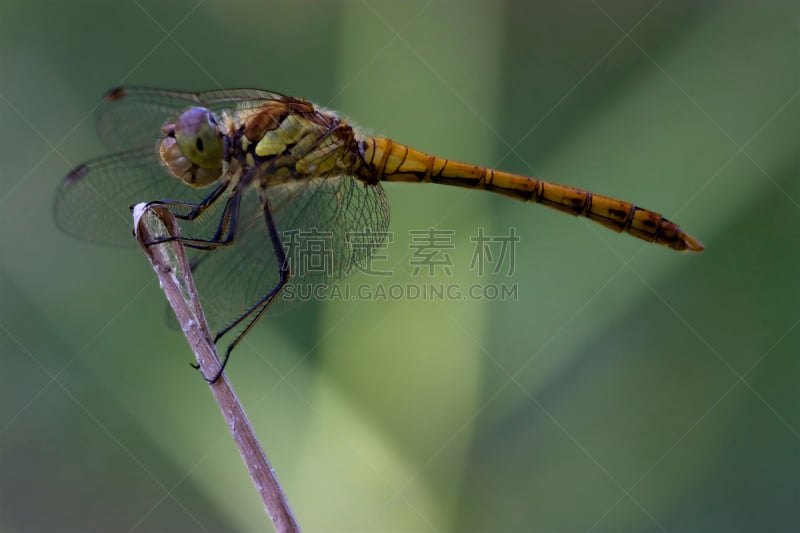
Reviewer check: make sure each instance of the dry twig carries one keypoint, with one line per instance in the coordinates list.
(169, 261)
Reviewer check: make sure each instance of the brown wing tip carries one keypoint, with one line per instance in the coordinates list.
(75, 174)
(117, 93)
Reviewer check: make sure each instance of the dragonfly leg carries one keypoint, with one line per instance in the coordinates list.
(197, 209)
(224, 234)
(260, 307)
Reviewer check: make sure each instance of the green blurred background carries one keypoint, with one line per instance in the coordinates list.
(629, 388)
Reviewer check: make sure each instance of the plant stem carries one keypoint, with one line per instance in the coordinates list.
(172, 268)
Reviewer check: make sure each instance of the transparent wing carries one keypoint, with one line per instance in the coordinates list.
(327, 225)
(93, 200)
(131, 117)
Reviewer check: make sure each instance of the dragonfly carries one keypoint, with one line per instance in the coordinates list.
(251, 173)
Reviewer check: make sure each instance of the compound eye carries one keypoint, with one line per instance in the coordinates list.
(199, 138)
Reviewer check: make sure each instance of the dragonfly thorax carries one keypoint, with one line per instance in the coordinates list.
(192, 148)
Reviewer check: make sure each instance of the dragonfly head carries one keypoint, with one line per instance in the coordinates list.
(192, 147)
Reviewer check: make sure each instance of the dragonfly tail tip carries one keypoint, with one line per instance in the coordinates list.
(692, 245)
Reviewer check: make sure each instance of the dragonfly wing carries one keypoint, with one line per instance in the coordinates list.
(342, 217)
(131, 117)
(93, 200)
(223, 276)
(327, 226)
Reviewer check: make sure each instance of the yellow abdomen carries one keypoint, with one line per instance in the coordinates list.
(387, 160)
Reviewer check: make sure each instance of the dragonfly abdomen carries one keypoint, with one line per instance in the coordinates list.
(387, 160)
